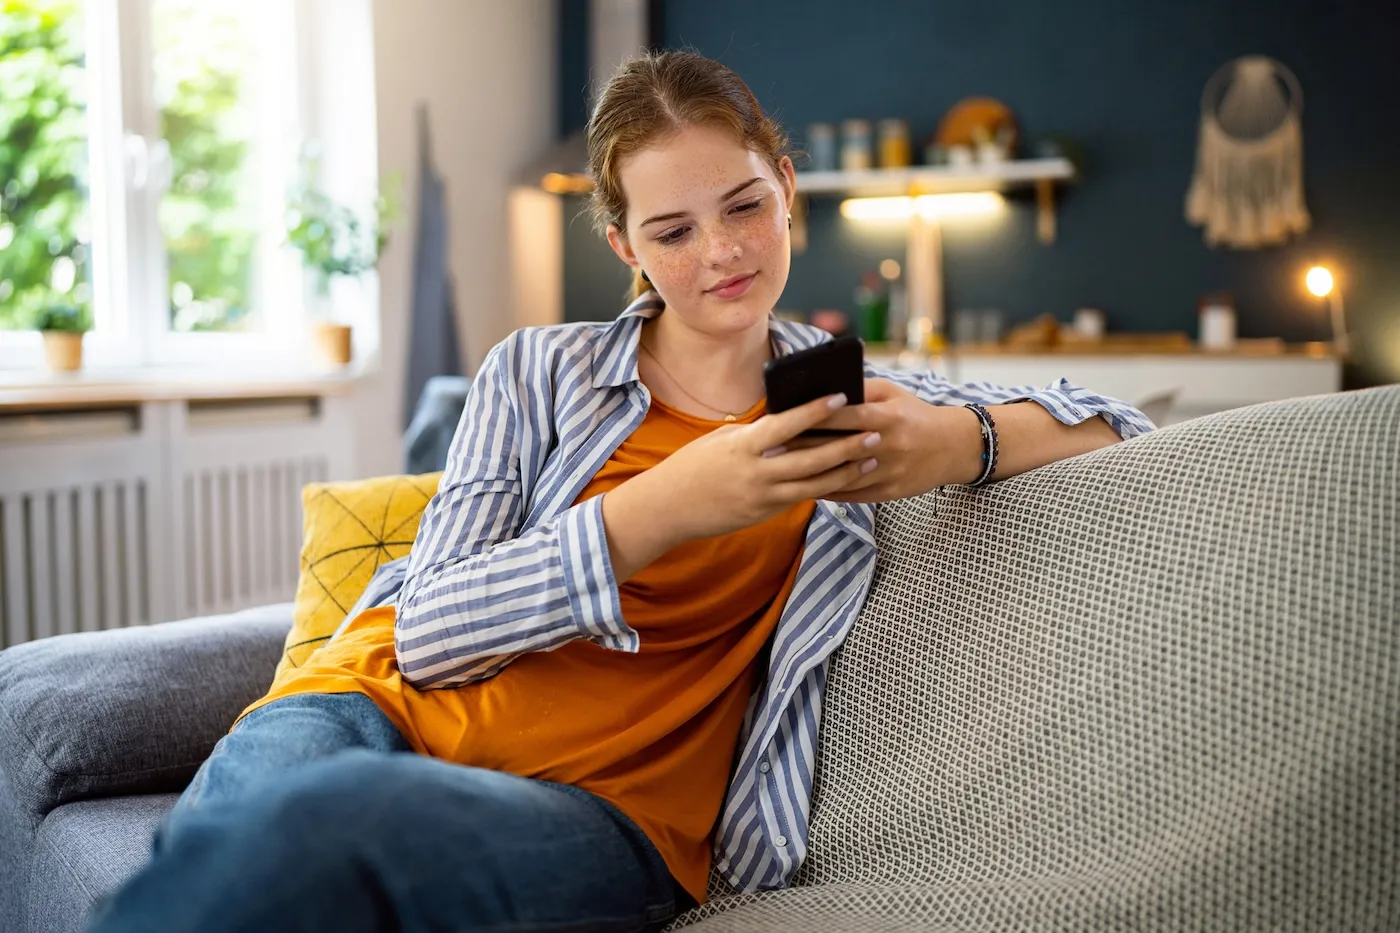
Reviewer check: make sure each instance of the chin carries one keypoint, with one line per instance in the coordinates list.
(738, 315)
(747, 309)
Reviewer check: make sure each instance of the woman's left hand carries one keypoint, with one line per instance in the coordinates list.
(921, 445)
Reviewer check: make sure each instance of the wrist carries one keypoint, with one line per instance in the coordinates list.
(637, 535)
(966, 446)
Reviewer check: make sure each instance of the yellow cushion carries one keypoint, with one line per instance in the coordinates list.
(349, 530)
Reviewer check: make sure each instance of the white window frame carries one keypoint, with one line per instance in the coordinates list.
(129, 169)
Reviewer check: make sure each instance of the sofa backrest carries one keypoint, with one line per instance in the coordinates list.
(1148, 686)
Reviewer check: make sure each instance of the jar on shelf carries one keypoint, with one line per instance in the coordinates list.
(821, 146)
(895, 150)
(857, 150)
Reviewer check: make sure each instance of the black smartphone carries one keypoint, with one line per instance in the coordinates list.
(798, 378)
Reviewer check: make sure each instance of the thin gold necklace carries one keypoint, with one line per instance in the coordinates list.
(728, 415)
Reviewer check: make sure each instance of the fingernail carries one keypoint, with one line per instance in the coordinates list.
(872, 439)
(836, 401)
(774, 451)
(869, 465)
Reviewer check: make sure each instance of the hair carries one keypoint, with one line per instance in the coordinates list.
(655, 96)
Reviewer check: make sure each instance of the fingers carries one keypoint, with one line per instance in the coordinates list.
(852, 418)
(777, 429)
(796, 464)
(871, 415)
(881, 390)
(823, 484)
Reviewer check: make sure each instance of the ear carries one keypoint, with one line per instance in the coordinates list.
(618, 241)
(788, 177)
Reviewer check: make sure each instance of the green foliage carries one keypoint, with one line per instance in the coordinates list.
(43, 156)
(334, 239)
(207, 215)
(66, 318)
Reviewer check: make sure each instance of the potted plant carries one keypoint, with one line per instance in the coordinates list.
(63, 327)
(333, 240)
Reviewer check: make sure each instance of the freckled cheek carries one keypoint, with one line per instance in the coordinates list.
(676, 267)
(768, 242)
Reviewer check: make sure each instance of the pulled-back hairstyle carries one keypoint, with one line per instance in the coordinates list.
(655, 96)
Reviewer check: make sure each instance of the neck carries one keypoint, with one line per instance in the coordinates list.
(723, 372)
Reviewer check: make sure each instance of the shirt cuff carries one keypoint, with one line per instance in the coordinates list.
(589, 580)
(1071, 405)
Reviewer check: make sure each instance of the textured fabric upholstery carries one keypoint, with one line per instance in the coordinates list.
(1156, 687)
(129, 711)
(132, 710)
(84, 851)
(16, 837)
(435, 417)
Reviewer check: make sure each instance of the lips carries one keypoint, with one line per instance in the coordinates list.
(734, 286)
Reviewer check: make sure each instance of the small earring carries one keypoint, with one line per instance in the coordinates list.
(789, 221)
(644, 276)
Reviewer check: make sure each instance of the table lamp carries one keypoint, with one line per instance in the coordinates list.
(1321, 283)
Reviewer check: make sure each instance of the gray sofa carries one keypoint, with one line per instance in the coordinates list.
(1155, 687)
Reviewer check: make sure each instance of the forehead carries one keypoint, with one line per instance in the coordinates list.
(695, 163)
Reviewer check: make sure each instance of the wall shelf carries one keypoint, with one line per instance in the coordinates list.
(937, 179)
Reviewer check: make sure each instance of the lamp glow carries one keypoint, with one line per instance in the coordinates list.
(1319, 281)
(928, 206)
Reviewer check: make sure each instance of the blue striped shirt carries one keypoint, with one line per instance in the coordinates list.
(505, 563)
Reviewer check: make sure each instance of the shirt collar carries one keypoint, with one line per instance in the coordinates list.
(615, 357)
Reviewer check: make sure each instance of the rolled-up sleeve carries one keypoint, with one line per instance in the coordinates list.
(477, 590)
(1068, 403)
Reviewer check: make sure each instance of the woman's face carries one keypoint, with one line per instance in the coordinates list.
(707, 220)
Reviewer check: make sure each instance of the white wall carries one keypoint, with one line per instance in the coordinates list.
(486, 70)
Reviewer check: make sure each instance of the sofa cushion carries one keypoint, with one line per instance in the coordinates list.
(350, 528)
(83, 852)
(128, 711)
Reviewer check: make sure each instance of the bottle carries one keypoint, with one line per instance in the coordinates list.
(821, 142)
(895, 151)
(897, 324)
(857, 153)
(872, 308)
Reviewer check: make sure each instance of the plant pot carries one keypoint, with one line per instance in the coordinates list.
(332, 343)
(63, 350)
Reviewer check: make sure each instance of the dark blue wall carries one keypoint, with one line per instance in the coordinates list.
(1124, 80)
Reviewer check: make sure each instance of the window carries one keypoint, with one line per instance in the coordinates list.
(147, 148)
(44, 224)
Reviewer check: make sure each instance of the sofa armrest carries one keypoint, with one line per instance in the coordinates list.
(129, 711)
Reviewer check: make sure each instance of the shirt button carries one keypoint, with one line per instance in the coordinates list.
(781, 840)
(764, 767)
(840, 511)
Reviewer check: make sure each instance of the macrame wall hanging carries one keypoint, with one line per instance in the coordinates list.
(1248, 188)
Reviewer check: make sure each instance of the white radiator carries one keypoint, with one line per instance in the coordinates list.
(157, 511)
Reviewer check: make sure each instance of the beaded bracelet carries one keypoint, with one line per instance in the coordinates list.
(989, 444)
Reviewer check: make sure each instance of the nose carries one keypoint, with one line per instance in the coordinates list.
(722, 247)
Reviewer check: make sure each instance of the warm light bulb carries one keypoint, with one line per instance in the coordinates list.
(1319, 281)
(929, 206)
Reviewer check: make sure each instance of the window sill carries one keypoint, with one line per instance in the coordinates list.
(100, 387)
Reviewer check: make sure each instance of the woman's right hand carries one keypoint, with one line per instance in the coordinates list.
(740, 475)
(733, 477)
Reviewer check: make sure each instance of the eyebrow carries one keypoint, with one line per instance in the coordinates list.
(659, 218)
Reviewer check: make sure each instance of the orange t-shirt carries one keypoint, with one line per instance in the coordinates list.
(654, 733)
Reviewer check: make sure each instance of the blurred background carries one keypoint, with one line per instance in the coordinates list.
(238, 240)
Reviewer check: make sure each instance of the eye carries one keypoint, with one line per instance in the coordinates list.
(748, 206)
(673, 236)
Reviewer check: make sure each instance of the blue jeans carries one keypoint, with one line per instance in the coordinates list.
(315, 814)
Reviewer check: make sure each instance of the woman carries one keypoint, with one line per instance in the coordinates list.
(604, 659)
